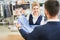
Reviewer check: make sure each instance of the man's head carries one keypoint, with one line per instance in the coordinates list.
(51, 8)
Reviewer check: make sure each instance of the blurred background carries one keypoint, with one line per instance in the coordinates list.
(8, 16)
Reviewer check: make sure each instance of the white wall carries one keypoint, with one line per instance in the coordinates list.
(41, 1)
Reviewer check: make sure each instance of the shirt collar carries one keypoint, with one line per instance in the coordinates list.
(54, 20)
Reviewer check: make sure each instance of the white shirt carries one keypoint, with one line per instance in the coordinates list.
(35, 19)
(53, 20)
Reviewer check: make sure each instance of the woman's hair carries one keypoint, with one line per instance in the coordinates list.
(35, 4)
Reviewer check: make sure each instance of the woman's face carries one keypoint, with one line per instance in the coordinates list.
(36, 9)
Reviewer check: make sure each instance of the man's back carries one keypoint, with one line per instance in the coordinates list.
(49, 31)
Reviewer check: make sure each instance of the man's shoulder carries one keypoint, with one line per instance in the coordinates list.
(47, 25)
(41, 27)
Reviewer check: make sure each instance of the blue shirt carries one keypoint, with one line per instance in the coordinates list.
(25, 24)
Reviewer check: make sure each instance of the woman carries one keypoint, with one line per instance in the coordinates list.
(35, 18)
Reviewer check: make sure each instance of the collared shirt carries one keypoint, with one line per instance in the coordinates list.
(53, 20)
(24, 24)
(35, 18)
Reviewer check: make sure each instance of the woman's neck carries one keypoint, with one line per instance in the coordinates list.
(35, 14)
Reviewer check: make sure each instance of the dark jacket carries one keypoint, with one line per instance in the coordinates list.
(49, 31)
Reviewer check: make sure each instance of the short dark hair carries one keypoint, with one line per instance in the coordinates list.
(52, 7)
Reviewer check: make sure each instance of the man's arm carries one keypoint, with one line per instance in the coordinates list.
(35, 34)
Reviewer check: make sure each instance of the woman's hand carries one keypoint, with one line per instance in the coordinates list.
(18, 25)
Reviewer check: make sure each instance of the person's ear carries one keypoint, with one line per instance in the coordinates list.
(46, 12)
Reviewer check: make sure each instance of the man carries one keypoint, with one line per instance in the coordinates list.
(51, 30)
